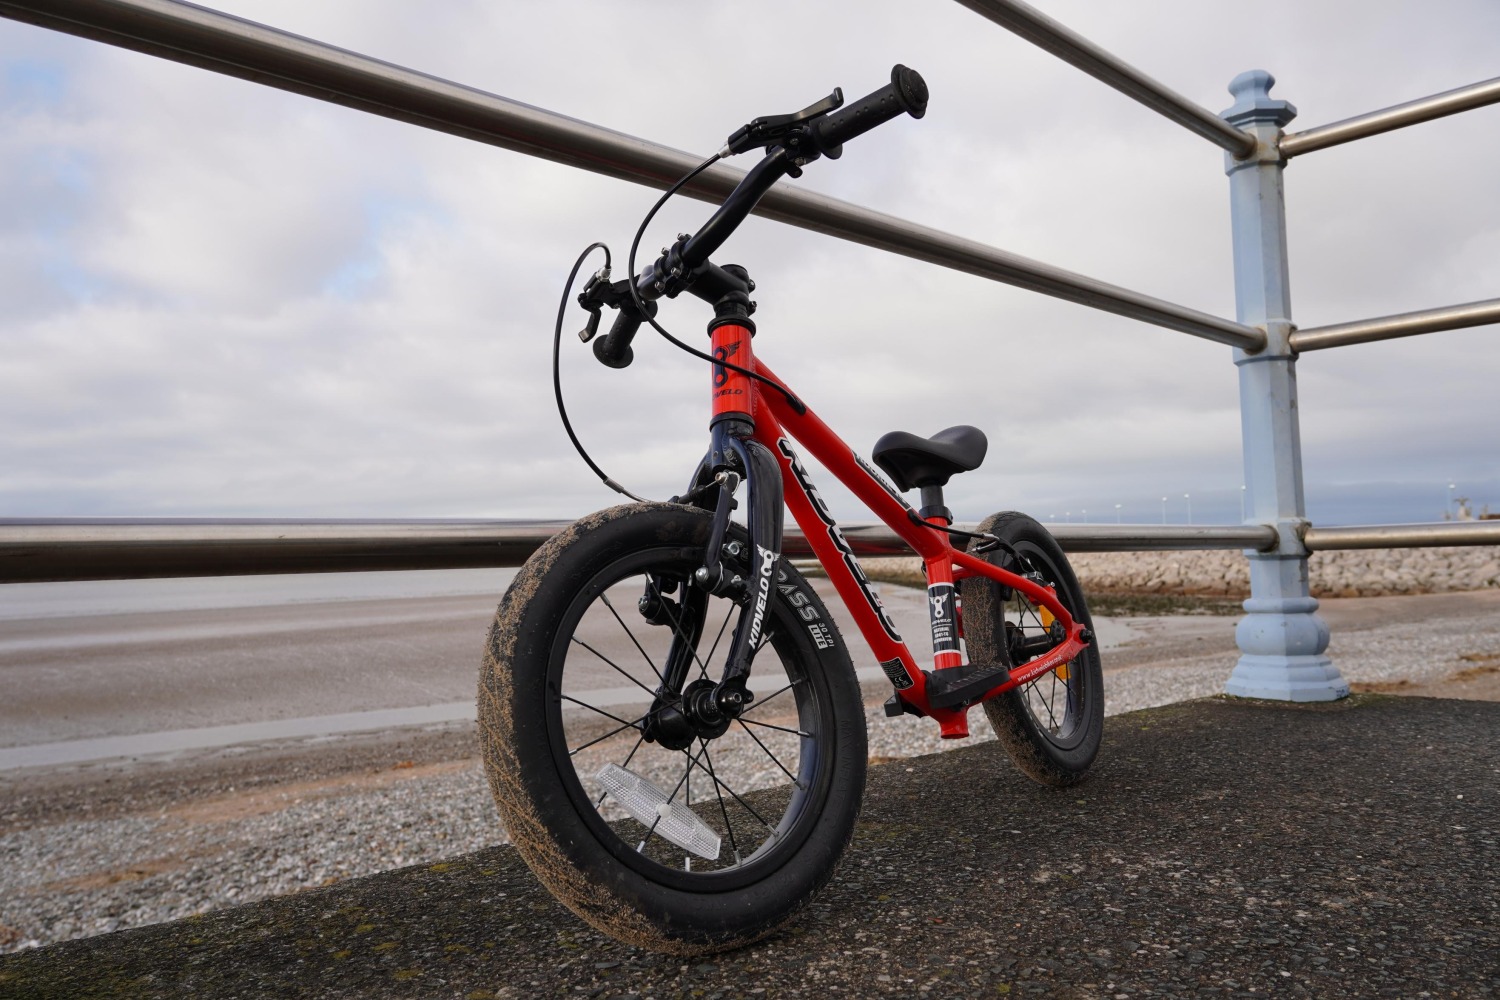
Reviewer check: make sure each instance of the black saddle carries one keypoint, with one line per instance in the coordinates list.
(914, 462)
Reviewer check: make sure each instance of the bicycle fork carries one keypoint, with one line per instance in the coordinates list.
(734, 457)
(765, 523)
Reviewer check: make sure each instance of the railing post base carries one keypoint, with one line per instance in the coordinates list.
(1282, 639)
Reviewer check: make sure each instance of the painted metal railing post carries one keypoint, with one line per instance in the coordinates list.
(1281, 638)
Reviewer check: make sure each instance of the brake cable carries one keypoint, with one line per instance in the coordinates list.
(635, 295)
(562, 409)
(640, 304)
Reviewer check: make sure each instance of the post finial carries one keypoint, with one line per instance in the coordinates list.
(1253, 102)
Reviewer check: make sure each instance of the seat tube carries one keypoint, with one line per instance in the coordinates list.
(944, 609)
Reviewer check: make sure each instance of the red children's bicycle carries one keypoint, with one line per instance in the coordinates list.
(672, 727)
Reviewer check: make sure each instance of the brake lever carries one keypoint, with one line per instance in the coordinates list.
(772, 128)
(593, 298)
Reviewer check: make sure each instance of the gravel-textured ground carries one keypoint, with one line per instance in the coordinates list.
(101, 848)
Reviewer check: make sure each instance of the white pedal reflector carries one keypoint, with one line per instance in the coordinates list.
(648, 804)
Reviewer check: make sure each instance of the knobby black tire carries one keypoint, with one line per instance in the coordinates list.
(544, 628)
(1051, 727)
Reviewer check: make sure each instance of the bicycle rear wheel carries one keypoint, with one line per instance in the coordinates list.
(649, 822)
(1052, 726)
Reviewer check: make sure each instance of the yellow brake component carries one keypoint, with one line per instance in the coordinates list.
(1047, 620)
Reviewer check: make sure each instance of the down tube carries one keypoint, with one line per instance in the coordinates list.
(812, 516)
(822, 533)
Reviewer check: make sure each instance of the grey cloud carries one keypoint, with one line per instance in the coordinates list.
(298, 309)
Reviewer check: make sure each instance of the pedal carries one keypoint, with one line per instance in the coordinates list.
(896, 706)
(951, 687)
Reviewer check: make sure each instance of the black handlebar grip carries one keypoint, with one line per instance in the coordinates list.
(907, 92)
(613, 349)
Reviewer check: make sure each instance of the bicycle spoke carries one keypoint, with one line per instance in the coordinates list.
(767, 725)
(723, 809)
(611, 607)
(1045, 704)
(622, 672)
(613, 732)
(613, 722)
(600, 711)
(678, 632)
(735, 795)
(620, 729)
(728, 612)
(768, 753)
(763, 701)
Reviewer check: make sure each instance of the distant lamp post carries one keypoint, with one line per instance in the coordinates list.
(1117, 513)
(1189, 500)
(1242, 504)
(1085, 515)
(1448, 511)
(1163, 510)
(1067, 517)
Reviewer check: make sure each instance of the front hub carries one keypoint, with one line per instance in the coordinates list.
(696, 716)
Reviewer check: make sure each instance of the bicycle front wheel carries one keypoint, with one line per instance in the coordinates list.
(650, 821)
(1052, 726)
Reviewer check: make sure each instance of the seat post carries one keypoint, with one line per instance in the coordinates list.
(933, 506)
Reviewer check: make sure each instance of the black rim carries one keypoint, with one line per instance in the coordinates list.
(1057, 705)
(603, 677)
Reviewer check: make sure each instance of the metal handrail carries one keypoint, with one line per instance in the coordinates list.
(53, 549)
(1071, 47)
(236, 47)
(35, 550)
(1399, 116)
(1403, 536)
(1402, 325)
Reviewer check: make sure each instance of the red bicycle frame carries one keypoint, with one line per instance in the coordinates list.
(774, 418)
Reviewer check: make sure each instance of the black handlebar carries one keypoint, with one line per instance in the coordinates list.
(907, 92)
(793, 141)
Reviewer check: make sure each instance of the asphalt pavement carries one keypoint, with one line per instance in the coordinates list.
(1221, 848)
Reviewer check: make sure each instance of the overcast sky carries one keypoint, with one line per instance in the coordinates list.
(218, 299)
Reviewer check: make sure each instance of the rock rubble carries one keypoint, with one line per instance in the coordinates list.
(1345, 573)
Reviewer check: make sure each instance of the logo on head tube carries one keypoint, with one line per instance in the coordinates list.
(723, 353)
